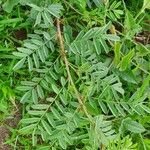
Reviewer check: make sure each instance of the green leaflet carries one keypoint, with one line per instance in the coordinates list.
(24, 50)
(36, 60)
(34, 138)
(55, 10)
(37, 8)
(40, 91)
(30, 63)
(126, 60)
(29, 120)
(24, 88)
(46, 127)
(40, 106)
(36, 112)
(146, 4)
(34, 96)
(19, 54)
(117, 49)
(51, 120)
(118, 88)
(38, 19)
(27, 129)
(55, 113)
(25, 97)
(142, 89)
(133, 126)
(55, 88)
(9, 4)
(19, 64)
(28, 83)
(127, 75)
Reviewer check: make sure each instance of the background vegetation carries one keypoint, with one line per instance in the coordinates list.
(77, 72)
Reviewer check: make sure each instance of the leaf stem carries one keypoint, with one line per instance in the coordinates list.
(64, 57)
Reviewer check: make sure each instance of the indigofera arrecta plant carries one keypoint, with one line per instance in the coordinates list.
(78, 82)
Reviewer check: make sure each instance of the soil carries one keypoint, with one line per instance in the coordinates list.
(143, 37)
(20, 34)
(4, 131)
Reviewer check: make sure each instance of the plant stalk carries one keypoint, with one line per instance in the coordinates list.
(64, 57)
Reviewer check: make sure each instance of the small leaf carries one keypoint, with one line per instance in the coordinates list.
(126, 107)
(44, 84)
(117, 48)
(40, 106)
(25, 97)
(36, 112)
(62, 143)
(50, 120)
(30, 46)
(55, 10)
(27, 129)
(47, 18)
(103, 106)
(37, 42)
(24, 88)
(46, 52)
(40, 92)
(19, 64)
(97, 3)
(36, 60)
(19, 54)
(34, 138)
(46, 127)
(126, 60)
(120, 109)
(104, 45)
(9, 4)
(146, 4)
(41, 54)
(127, 75)
(118, 88)
(53, 75)
(63, 82)
(29, 120)
(145, 108)
(37, 8)
(30, 63)
(97, 46)
(28, 83)
(55, 113)
(34, 96)
(113, 109)
(55, 88)
(59, 106)
(133, 126)
(38, 19)
(112, 37)
(47, 35)
(142, 89)
(25, 50)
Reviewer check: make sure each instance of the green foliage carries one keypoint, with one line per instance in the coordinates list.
(83, 80)
(146, 4)
(123, 144)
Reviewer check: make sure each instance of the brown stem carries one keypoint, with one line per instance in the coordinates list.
(64, 57)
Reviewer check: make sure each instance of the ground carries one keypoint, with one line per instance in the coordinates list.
(5, 132)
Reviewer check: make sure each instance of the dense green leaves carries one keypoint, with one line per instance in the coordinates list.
(87, 88)
(126, 61)
(146, 4)
(9, 4)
